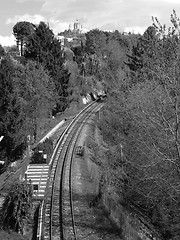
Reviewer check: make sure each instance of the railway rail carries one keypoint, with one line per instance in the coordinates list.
(56, 219)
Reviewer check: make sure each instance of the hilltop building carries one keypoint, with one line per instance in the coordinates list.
(76, 27)
(73, 36)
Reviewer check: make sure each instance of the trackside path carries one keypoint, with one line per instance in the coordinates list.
(91, 221)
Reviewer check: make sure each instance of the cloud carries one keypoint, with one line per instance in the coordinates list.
(86, 11)
(123, 15)
(8, 40)
(169, 1)
(26, 17)
(23, 1)
(102, 14)
(55, 25)
(58, 26)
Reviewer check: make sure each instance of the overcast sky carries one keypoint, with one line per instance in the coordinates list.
(123, 15)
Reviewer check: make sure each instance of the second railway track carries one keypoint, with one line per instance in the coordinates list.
(57, 213)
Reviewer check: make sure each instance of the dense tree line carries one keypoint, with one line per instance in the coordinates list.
(141, 126)
(33, 87)
(44, 80)
(27, 94)
(41, 46)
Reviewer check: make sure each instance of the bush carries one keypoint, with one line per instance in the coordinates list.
(17, 206)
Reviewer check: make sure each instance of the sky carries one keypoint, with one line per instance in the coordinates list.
(121, 15)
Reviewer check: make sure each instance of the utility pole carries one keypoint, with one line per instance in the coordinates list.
(28, 146)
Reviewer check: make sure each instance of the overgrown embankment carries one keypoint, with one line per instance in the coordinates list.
(109, 193)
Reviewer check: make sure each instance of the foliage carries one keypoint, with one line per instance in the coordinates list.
(27, 95)
(16, 209)
(2, 51)
(141, 127)
(75, 82)
(95, 41)
(79, 55)
(105, 54)
(45, 49)
(36, 90)
(22, 31)
(39, 44)
(11, 114)
(13, 51)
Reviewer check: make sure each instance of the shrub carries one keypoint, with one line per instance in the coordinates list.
(17, 206)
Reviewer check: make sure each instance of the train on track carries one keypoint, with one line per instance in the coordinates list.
(99, 97)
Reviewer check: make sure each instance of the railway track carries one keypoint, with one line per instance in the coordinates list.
(57, 214)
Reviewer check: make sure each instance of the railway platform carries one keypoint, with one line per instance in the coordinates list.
(37, 174)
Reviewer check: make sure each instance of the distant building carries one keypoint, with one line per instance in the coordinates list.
(77, 27)
(63, 39)
(73, 36)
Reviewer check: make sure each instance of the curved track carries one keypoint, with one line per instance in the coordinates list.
(57, 218)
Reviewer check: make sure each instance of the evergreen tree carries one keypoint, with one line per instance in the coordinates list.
(11, 114)
(2, 51)
(143, 50)
(22, 31)
(39, 44)
(44, 48)
(36, 91)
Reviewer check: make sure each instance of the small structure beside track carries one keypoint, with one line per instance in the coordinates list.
(79, 150)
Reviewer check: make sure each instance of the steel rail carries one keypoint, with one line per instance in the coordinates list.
(53, 164)
(41, 221)
(77, 135)
(66, 168)
(71, 145)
